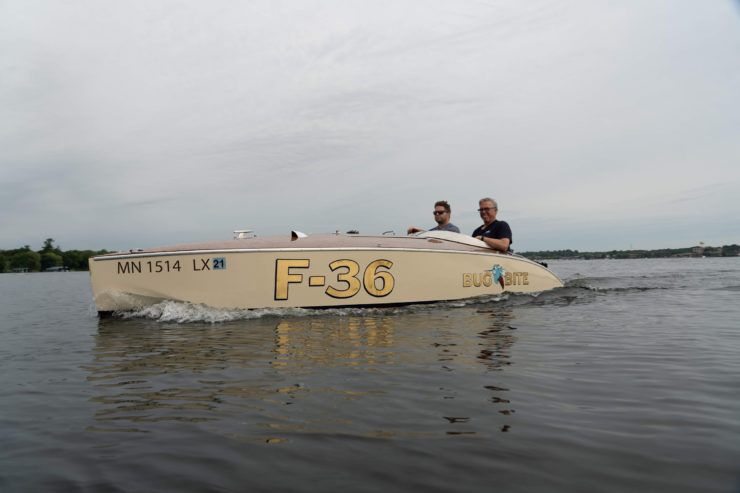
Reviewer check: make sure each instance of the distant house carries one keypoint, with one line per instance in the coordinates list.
(713, 252)
(706, 251)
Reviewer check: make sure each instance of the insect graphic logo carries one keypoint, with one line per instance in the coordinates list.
(498, 274)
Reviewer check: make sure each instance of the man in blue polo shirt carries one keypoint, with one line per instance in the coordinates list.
(495, 234)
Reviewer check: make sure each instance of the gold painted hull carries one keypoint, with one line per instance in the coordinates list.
(315, 271)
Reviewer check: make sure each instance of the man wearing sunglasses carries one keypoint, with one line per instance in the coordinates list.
(442, 217)
(495, 234)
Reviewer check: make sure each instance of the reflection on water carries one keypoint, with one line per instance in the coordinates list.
(137, 367)
(497, 340)
(330, 342)
(271, 377)
(495, 353)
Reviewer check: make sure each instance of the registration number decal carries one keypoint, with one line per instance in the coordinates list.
(198, 264)
(148, 266)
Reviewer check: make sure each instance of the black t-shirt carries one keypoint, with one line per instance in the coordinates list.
(496, 230)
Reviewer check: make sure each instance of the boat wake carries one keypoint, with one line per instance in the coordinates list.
(183, 312)
(576, 291)
(606, 285)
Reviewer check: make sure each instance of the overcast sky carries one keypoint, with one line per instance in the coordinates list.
(596, 124)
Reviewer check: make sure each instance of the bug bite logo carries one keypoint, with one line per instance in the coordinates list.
(495, 275)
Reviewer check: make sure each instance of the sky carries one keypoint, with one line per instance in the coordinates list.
(596, 124)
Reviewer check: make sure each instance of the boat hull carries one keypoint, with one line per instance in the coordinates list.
(247, 278)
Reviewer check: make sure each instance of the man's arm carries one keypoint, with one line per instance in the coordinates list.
(501, 244)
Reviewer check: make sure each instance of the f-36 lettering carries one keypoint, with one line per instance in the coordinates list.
(348, 280)
(284, 276)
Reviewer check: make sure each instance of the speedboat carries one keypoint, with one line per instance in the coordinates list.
(313, 271)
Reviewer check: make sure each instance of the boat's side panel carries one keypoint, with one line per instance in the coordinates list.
(311, 278)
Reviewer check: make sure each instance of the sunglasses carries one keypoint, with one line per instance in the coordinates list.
(486, 209)
(436, 213)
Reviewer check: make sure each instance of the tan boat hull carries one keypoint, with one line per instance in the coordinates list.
(249, 274)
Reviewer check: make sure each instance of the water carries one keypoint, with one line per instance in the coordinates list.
(628, 379)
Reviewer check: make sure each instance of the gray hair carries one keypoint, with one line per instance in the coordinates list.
(489, 199)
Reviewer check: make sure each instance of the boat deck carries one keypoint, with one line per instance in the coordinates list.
(326, 241)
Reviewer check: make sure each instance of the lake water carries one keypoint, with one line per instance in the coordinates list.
(627, 379)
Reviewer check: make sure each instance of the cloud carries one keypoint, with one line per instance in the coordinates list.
(160, 122)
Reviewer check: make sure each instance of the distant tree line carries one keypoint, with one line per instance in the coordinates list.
(50, 256)
(723, 251)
